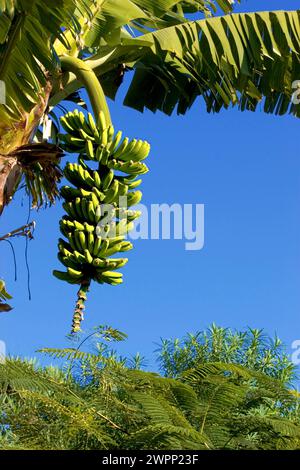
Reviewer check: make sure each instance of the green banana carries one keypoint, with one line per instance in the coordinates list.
(125, 246)
(71, 238)
(101, 122)
(98, 214)
(112, 250)
(130, 167)
(64, 276)
(91, 212)
(100, 263)
(115, 143)
(124, 227)
(104, 247)
(92, 126)
(84, 209)
(89, 150)
(111, 277)
(88, 227)
(133, 215)
(95, 201)
(97, 179)
(90, 241)
(92, 236)
(67, 261)
(134, 184)
(134, 198)
(104, 157)
(110, 133)
(74, 274)
(112, 193)
(107, 180)
(97, 245)
(78, 208)
(69, 193)
(80, 240)
(128, 152)
(62, 244)
(80, 258)
(121, 148)
(85, 136)
(72, 225)
(123, 189)
(100, 195)
(67, 126)
(99, 152)
(88, 257)
(70, 118)
(118, 262)
(70, 209)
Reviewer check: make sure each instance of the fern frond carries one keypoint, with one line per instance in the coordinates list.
(67, 353)
(157, 434)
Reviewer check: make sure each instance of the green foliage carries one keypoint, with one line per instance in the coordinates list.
(27, 36)
(237, 60)
(99, 401)
(251, 348)
(34, 33)
(228, 59)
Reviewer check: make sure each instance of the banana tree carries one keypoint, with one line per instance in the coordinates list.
(173, 51)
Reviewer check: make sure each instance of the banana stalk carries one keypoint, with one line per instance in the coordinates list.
(92, 85)
(80, 306)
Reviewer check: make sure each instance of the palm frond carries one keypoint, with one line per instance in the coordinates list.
(168, 436)
(77, 420)
(102, 34)
(67, 353)
(18, 375)
(232, 60)
(239, 59)
(26, 50)
(124, 408)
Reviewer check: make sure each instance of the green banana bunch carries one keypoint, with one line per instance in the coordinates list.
(92, 233)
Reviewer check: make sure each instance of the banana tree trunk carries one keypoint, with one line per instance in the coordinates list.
(10, 173)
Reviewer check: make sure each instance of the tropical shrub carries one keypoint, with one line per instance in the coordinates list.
(100, 401)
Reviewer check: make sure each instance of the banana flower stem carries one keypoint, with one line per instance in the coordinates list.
(91, 83)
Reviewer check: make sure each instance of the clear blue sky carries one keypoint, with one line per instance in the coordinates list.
(245, 168)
